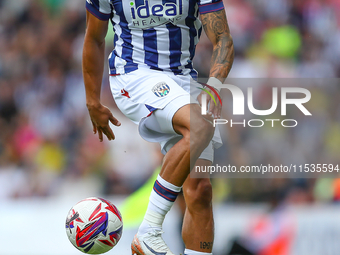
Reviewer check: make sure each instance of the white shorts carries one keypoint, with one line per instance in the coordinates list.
(140, 93)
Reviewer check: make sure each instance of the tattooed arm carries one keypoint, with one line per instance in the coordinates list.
(216, 27)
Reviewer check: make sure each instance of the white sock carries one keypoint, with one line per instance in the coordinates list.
(161, 200)
(191, 252)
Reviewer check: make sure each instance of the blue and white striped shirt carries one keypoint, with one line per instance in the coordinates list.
(158, 34)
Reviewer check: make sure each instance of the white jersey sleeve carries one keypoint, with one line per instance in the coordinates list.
(100, 8)
(206, 6)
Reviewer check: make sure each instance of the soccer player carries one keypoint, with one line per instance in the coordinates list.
(153, 83)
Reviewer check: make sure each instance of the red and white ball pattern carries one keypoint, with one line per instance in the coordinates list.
(94, 225)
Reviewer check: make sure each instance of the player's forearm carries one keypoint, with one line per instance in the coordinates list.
(222, 58)
(93, 67)
(216, 27)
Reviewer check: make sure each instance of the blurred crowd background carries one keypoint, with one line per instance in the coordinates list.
(47, 147)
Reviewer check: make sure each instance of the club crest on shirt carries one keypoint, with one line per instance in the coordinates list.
(161, 89)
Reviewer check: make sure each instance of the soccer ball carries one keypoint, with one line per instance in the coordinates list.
(94, 225)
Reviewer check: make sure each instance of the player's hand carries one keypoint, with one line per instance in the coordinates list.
(214, 104)
(101, 116)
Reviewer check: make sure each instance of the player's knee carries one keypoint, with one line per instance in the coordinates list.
(201, 132)
(199, 196)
